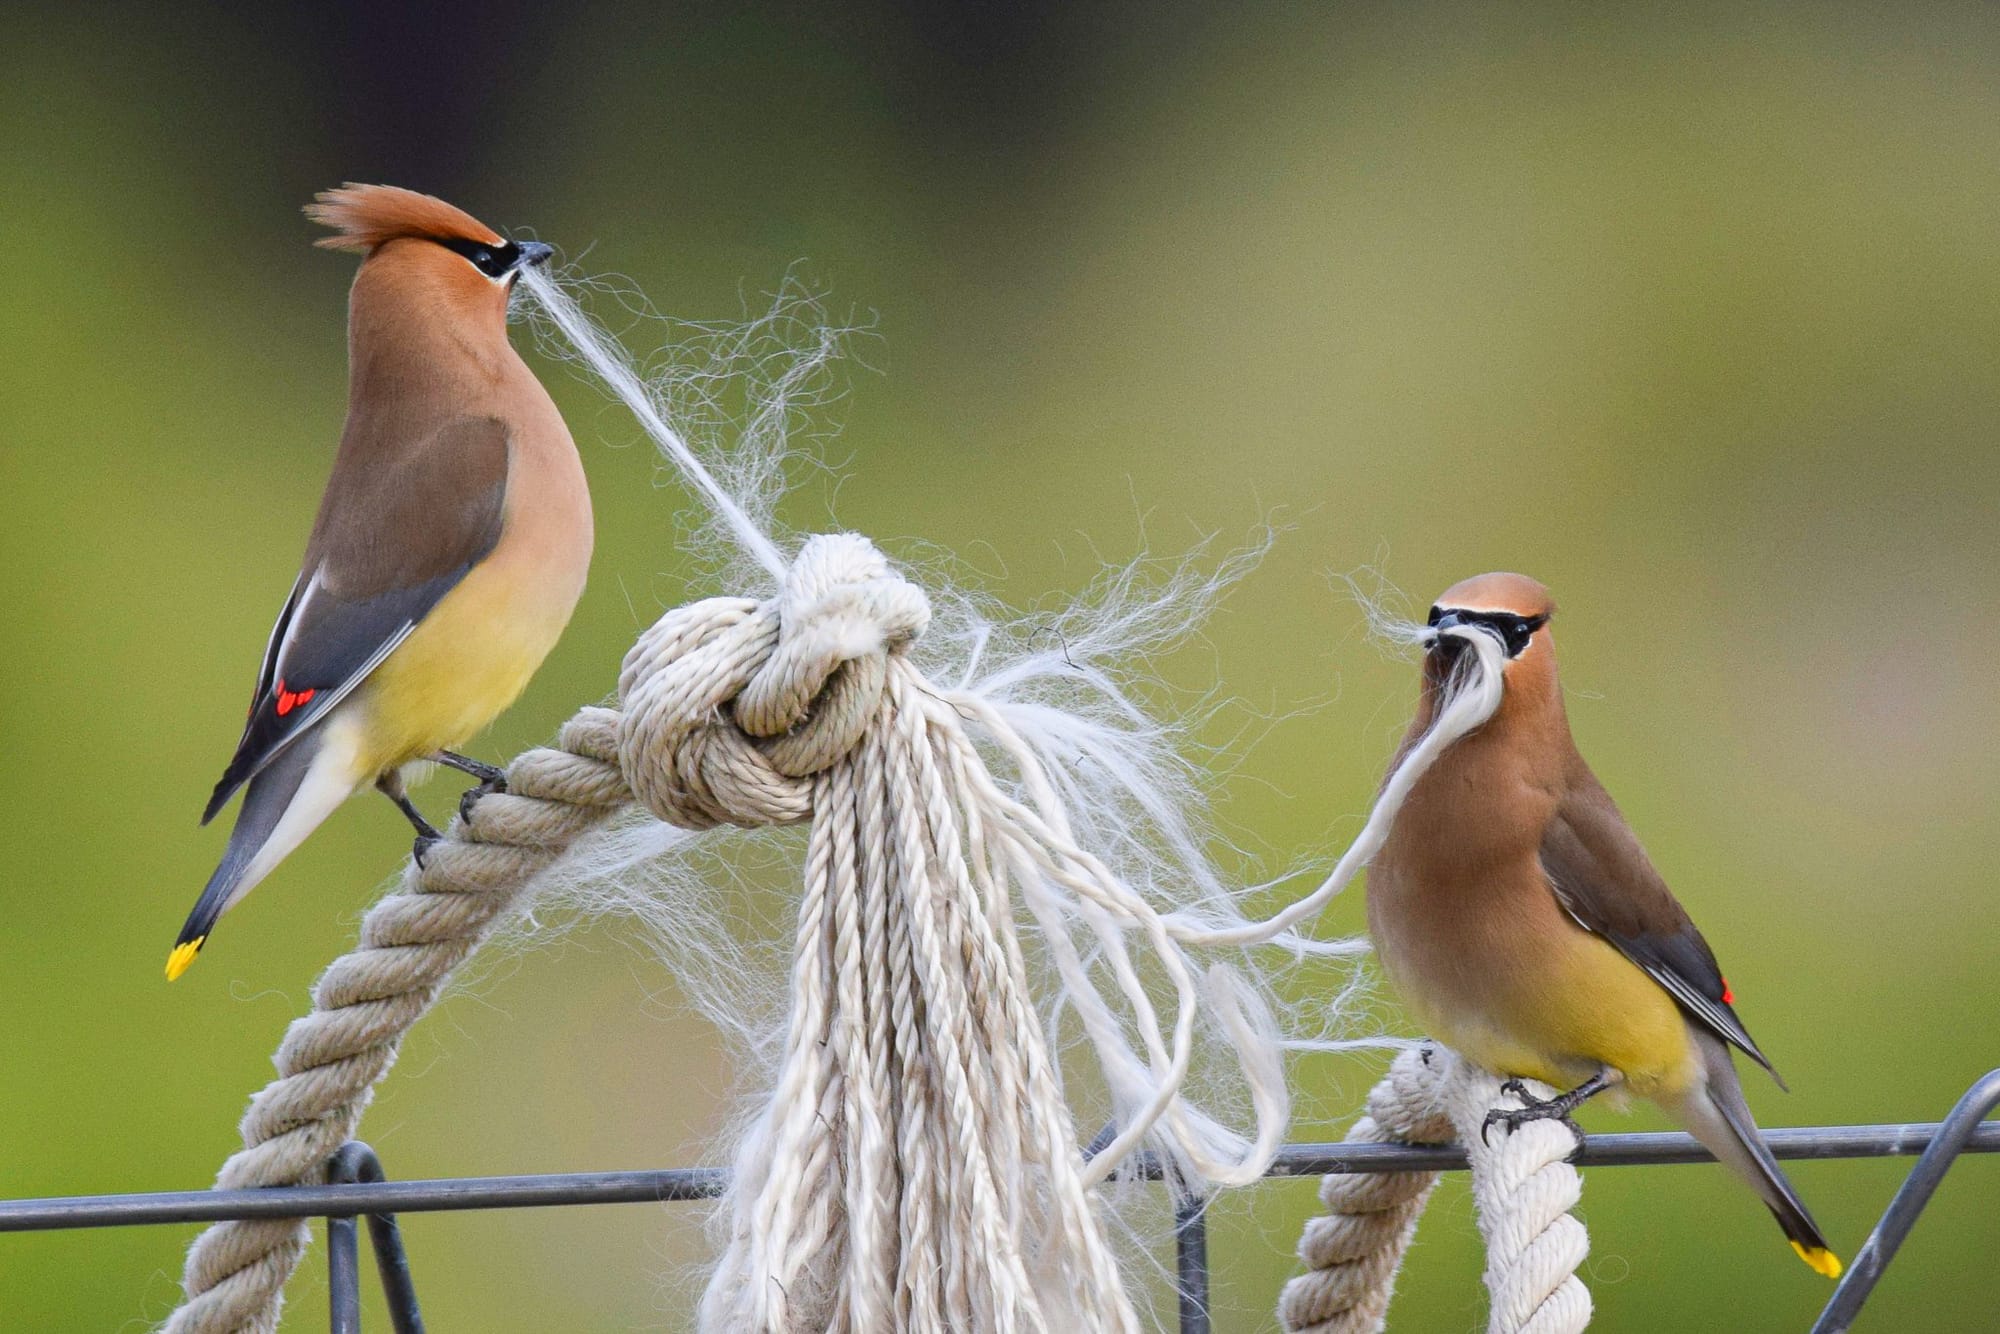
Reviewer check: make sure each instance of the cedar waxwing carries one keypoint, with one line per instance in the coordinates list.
(1515, 911)
(449, 550)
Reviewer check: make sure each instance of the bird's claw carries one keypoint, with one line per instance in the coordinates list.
(473, 795)
(421, 848)
(1532, 1109)
(465, 764)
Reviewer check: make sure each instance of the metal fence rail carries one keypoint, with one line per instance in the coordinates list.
(356, 1188)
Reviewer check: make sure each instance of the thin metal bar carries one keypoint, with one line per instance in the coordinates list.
(350, 1163)
(392, 1262)
(343, 1274)
(669, 1185)
(357, 1187)
(510, 1192)
(1958, 1133)
(355, 1162)
(1191, 1263)
(1628, 1150)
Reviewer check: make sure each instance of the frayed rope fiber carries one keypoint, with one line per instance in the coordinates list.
(1522, 1186)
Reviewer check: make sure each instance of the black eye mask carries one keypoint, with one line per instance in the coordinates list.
(1514, 631)
(493, 260)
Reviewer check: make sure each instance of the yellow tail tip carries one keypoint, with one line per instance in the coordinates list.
(1821, 1259)
(183, 955)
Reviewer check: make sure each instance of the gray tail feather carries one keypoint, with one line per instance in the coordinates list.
(265, 801)
(1742, 1148)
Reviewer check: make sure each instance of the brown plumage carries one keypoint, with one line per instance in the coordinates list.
(449, 549)
(1525, 926)
(364, 216)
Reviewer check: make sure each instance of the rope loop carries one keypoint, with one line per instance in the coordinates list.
(1522, 1185)
(1352, 1252)
(731, 705)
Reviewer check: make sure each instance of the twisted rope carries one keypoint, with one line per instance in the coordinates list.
(411, 942)
(1522, 1186)
(1353, 1251)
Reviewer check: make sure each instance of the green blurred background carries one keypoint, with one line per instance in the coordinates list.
(1693, 315)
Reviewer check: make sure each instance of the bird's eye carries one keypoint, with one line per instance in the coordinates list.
(494, 261)
(1517, 632)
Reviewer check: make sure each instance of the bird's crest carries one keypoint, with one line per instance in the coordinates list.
(365, 216)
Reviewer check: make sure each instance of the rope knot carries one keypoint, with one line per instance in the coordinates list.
(730, 705)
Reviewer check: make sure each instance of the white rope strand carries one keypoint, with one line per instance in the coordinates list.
(1471, 699)
(603, 356)
(975, 1215)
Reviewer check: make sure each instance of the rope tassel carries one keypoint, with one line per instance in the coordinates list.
(916, 1166)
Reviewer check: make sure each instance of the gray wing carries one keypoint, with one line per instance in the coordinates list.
(392, 538)
(1607, 884)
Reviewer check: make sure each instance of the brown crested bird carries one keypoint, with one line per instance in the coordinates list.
(1515, 911)
(450, 547)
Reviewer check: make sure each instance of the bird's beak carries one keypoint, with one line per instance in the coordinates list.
(1438, 642)
(534, 254)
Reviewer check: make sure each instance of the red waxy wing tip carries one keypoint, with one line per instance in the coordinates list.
(291, 699)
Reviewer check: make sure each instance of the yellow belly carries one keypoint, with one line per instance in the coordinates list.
(461, 667)
(1588, 1007)
(1532, 994)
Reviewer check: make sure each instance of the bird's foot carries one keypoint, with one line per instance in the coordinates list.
(487, 774)
(491, 779)
(1532, 1108)
(422, 846)
(486, 787)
